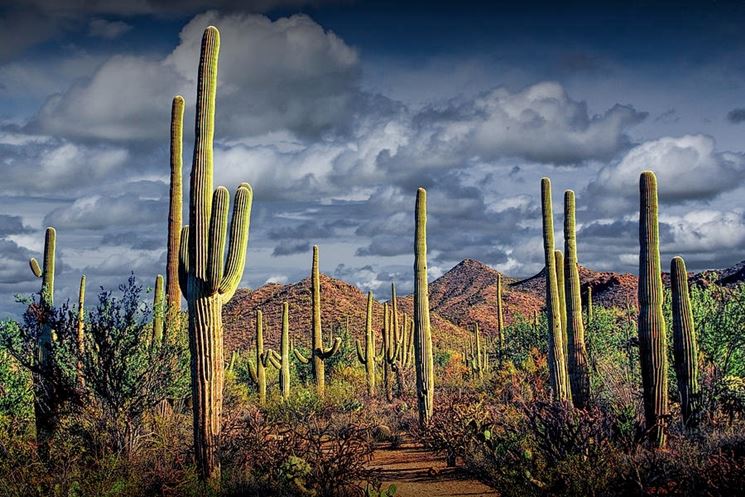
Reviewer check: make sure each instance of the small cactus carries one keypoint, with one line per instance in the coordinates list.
(158, 311)
(80, 338)
(685, 346)
(556, 359)
(588, 305)
(258, 369)
(652, 334)
(500, 318)
(423, 358)
(368, 356)
(319, 353)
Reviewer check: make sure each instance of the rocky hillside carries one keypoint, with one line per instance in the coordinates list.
(339, 301)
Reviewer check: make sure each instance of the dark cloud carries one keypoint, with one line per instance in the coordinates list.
(108, 30)
(11, 225)
(291, 248)
(736, 116)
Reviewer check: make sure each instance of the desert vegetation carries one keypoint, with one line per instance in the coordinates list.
(549, 394)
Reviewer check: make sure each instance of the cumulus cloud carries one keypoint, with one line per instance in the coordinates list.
(288, 74)
(108, 30)
(687, 168)
(97, 212)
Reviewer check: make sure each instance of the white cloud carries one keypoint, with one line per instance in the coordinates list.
(108, 30)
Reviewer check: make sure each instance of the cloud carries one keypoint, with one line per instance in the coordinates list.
(291, 248)
(98, 212)
(736, 116)
(11, 225)
(108, 30)
(687, 168)
(288, 74)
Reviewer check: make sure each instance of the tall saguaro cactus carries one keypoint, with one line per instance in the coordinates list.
(368, 356)
(205, 281)
(579, 375)
(685, 346)
(556, 360)
(174, 209)
(652, 334)
(500, 317)
(80, 338)
(425, 374)
(43, 409)
(281, 361)
(319, 353)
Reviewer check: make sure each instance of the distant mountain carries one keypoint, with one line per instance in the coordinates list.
(463, 296)
(339, 300)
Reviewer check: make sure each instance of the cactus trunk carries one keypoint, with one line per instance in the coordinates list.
(652, 334)
(556, 359)
(174, 210)
(80, 338)
(500, 318)
(206, 283)
(260, 371)
(284, 373)
(158, 311)
(425, 377)
(685, 347)
(368, 356)
(579, 375)
(559, 262)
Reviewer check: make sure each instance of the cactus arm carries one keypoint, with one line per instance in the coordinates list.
(35, 267)
(217, 235)
(360, 354)
(175, 205)
(270, 358)
(326, 353)
(253, 373)
(300, 357)
(183, 261)
(239, 230)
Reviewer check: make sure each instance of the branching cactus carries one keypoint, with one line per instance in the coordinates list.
(258, 369)
(319, 353)
(158, 311)
(368, 356)
(425, 374)
(685, 347)
(207, 282)
(652, 334)
(390, 351)
(579, 375)
(500, 318)
(281, 361)
(174, 209)
(556, 360)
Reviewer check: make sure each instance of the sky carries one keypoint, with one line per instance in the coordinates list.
(336, 111)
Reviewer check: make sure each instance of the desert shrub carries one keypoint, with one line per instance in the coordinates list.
(15, 394)
(524, 337)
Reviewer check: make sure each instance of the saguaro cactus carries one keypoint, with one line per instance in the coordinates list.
(158, 310)
(258, 371)
(368, 356)
(319, 353)
(479, 357)
(588, 304)
(80, 338)
(556, 360)
(174, 209)
(281, 361)
(500, 317)
(652, 334)
(559, 261)
(579, 376)
(206, 283)
(685, 346)
(425, 374)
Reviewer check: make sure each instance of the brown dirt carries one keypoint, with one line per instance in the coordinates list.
(417, 472)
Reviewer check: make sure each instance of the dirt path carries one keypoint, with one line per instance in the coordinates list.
(420, 473)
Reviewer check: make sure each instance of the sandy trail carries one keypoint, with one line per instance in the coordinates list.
(417, 472)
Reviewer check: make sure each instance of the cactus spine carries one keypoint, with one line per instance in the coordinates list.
(318, 352)
(652, 339)
(556, 360)
(258, 371)
(685, 347)
(577, 356)
(158, 311)
(500, 318)
(174, 209)
(368, 356)
(425, 375)
(206, 283)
